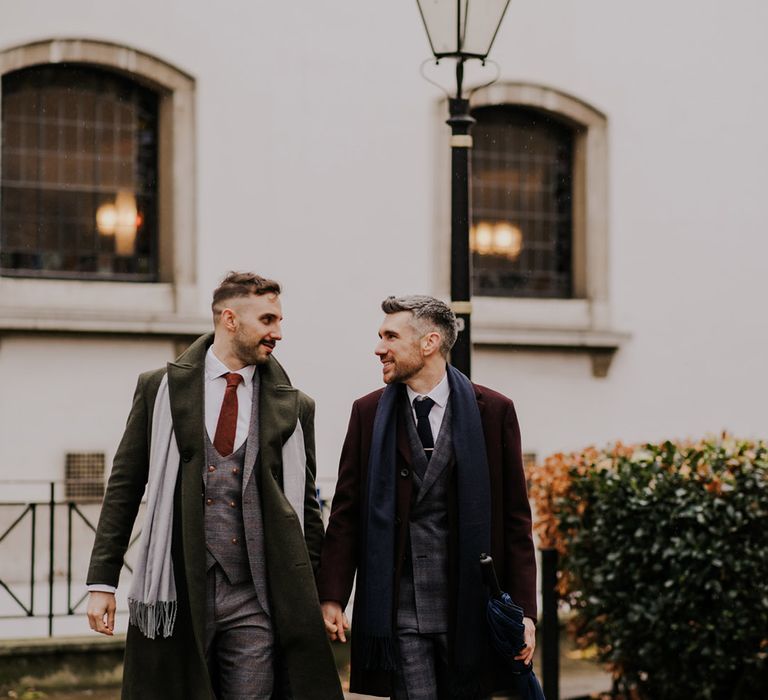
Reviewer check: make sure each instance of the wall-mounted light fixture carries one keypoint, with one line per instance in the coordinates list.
(120, 219)
(496, 238)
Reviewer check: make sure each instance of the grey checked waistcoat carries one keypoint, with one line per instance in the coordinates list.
(234, 528)
(224, 529)
(423, 603)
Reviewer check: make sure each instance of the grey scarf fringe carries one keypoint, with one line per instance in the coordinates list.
(153, 619)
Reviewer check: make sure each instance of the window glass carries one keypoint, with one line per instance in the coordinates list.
(522, 229)
(79, 175)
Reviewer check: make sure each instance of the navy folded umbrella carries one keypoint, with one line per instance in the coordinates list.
(505, 623)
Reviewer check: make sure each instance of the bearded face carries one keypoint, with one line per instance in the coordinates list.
(258, 327)
(399, 348)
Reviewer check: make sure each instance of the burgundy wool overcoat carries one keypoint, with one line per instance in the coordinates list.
(511, 541)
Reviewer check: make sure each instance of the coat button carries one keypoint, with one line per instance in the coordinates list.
(209, 501)
(187, 455)
(235, 470)
(234, 540)
(211, 468)
(404, 473)
(232, 504)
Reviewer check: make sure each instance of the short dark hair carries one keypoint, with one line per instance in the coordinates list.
(428, 314)
(241, 284)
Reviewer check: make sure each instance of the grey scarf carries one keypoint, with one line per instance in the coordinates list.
(152, 600)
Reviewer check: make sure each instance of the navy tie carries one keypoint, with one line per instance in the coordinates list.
(423, 405)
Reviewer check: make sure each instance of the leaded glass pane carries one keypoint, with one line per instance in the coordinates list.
(79, 175)
(522, 217)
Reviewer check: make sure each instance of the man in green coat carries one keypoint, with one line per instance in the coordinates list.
(222, 601)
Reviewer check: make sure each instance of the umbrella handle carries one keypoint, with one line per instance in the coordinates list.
(489, 575)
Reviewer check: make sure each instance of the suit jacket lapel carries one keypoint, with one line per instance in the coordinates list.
(440, 460)
(441, 456)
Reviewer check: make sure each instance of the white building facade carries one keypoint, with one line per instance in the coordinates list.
(300, 141)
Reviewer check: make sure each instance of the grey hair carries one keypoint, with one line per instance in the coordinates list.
(428, 314)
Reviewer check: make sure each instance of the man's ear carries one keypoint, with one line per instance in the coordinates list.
(228, 319)
(431, 343)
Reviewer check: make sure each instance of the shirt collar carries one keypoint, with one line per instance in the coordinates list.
(439, 393)
(215, 368)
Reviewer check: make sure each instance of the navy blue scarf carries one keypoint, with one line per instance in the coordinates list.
(375, 621)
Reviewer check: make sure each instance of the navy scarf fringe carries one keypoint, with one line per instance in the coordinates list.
(474, 537)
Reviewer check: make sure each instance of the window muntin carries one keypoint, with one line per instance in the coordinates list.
(79, 175)
(522, 190)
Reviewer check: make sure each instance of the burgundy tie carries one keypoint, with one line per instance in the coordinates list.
(224, 442)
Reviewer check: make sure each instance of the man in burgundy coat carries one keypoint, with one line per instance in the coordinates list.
(430, 477)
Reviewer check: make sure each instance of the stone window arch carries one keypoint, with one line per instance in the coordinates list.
(162, 298)
(580, 319)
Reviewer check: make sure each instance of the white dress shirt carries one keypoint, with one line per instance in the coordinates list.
(213, 392)
(439, 395)
(215, 385)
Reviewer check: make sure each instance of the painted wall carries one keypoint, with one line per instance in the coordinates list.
(316, 159)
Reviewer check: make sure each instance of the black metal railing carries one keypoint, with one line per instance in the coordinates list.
(58, 555)
(33, 511)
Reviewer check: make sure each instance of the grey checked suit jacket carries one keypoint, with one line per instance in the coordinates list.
(424, 586)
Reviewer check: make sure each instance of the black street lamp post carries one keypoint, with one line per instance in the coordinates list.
(462, 30)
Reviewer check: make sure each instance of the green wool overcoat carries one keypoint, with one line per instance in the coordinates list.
(174, 668)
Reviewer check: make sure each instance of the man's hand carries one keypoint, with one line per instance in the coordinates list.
(526, 655)
(335, 621)
(101, 612)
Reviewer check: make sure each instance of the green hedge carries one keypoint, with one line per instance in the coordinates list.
(665, 562)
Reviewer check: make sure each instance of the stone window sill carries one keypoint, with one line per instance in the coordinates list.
(69, 306)
(171, 326)
(570, 325)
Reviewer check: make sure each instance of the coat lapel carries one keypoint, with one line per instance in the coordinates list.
(480, 403)
(252, 443)
(278, 414)
(185, 386)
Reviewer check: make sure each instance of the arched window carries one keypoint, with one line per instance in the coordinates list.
(98, 226)
(522, 193)
(79, 175)
(539, 229)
